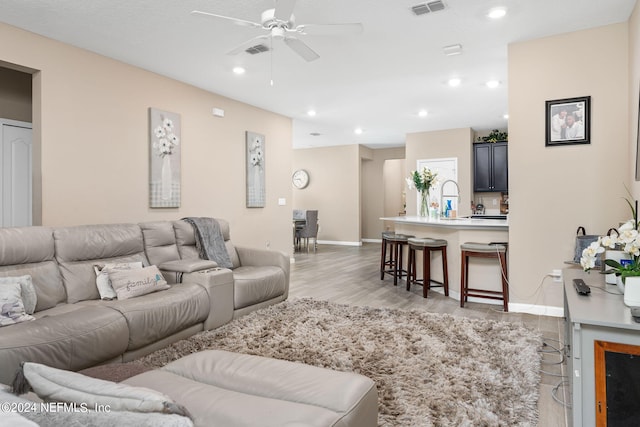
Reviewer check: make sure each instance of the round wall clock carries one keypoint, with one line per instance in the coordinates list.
(300, 178)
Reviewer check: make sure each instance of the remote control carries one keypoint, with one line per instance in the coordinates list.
(581, 287)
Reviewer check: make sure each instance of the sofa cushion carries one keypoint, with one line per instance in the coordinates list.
(137, 282)
(30, 250)
(186, 241)
(11, 305)
(255, 284)
(78, 249)
(68, 336)
(159, 242)
(161, 314)
(26, 245)
(27, 291)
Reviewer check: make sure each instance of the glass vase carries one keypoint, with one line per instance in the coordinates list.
(424, 203)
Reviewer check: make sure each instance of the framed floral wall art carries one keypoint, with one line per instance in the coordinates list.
(255, 162)
(164, 164)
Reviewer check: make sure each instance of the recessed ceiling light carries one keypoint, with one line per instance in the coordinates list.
(492, 84)
(506, 117)
(454, 82)
(358, 131)
(497, 13)
(238, 70)
(311, 113)
(423, 113)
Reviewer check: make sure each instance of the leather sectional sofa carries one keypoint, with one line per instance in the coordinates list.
(75, 329)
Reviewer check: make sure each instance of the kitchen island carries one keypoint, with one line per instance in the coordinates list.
(483, 273)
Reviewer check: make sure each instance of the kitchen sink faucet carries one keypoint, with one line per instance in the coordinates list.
(442, 195)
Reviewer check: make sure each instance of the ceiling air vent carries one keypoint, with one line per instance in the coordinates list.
(424, 8)
(259, 48)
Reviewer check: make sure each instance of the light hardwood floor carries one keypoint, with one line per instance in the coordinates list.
(350, 275)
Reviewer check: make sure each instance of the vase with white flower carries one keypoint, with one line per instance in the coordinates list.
(423, 181)
(625, 265)
(165, 143)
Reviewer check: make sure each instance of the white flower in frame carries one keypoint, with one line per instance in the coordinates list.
(165, 147)
(167, 124)
(173, 138)
(255, 160)
(159, 132)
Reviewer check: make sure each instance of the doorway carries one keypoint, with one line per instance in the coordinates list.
(16, 170)
(20, 182)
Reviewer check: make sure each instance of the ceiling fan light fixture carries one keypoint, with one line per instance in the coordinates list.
(311, 113)
(423, 113)
(358, 131)
(492, 84)
(454, 82)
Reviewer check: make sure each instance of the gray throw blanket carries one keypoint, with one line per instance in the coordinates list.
(210, 241)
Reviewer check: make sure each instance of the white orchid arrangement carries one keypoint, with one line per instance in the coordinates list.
(166, 140)
(627, 239)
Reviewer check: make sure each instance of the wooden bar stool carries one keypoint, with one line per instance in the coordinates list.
(427, 246)
(396, 242)
(484, 250)
(385, 263)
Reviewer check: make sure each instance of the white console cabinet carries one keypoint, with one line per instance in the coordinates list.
(599, 316)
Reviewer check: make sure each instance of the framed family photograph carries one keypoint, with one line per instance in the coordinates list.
(568, 121)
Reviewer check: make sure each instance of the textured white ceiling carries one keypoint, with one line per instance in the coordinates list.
(377, 80)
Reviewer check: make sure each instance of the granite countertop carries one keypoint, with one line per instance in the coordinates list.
(495, 224)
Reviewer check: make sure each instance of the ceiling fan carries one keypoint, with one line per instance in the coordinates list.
(280, 23)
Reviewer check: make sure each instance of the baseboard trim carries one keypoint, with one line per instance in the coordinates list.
(540, 310)
(372, 240)
(339, 243)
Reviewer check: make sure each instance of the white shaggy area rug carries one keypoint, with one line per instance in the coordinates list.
(430, 369)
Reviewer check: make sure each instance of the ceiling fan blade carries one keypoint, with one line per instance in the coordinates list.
(249, 43)
(284, 9)
(299, 47)
(329, 29)
(236, 21)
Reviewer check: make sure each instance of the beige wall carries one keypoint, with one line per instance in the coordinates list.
(441, 144)
(634, 94)
(15, 95)
(554, 190)
(91, 119)
(334, 190)
(381, 195)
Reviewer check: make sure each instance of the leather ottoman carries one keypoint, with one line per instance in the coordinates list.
(220, 388)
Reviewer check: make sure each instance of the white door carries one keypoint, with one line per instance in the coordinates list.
(15, 176)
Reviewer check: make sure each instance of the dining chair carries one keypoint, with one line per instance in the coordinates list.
(309, 230)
